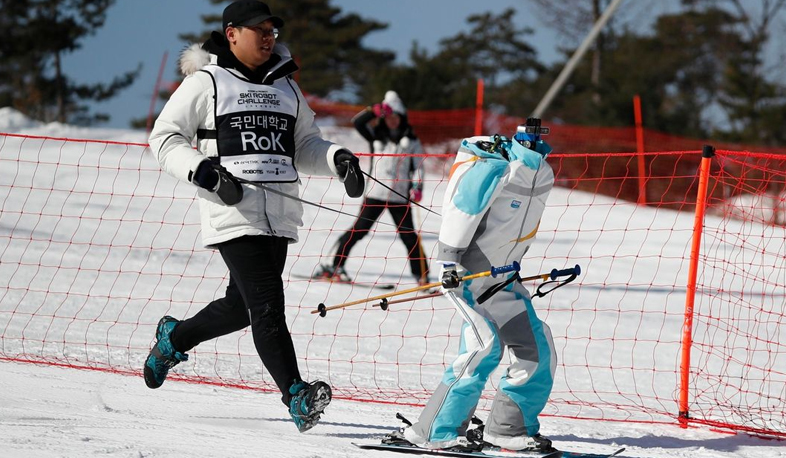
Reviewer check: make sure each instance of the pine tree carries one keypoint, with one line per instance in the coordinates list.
(700, 71)
(677, 69)
(324, 42)
(492, 48)
(36, 35)
(752, 97)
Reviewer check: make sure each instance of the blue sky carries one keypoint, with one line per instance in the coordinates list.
(143, 30)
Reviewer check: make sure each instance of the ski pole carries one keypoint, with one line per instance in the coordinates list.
(322, 309)
(399, 194)
(571, 273)
(554, 274)
(384, 303)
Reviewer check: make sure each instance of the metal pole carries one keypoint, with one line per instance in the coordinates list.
(574, 60)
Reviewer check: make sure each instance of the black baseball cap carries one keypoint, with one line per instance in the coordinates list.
(249, 12)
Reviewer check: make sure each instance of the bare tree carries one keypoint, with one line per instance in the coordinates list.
(573, 19)
(757, 31)
(753, 93)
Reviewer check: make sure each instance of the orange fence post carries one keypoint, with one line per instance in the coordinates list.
(479, 109)
(640, 150)
(687, 329)
(154, 97)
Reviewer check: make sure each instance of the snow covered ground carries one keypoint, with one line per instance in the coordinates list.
(50, 411)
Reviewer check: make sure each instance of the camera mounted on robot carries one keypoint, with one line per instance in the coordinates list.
(528, 135)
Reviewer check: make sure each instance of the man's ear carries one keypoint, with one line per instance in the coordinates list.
(231, 34)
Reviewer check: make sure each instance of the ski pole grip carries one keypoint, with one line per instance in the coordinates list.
(515, 267)
(565, 272)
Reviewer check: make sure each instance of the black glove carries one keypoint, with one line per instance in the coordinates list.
(450, 276)
(349, 173)
(215, 178)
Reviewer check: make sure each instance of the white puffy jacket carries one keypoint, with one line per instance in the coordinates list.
(396, 168)
(192, 107)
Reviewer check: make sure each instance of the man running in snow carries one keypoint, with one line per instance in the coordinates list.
(492, 208)
(250, 121)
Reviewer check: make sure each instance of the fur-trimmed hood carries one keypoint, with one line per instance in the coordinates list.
(196, 56)
(193, 58)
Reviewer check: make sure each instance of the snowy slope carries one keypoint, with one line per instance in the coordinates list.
(48, 412)
(54, 412)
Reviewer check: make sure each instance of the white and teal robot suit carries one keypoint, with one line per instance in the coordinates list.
(492, 208)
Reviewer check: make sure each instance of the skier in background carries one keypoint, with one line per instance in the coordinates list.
(250, 121)
(385, 126)
(493, 204)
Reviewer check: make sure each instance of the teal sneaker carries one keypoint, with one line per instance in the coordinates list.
(308, 402)
(163, 355)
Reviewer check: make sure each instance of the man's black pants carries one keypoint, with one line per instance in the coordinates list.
(255, 295)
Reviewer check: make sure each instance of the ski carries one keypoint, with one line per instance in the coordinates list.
(383, 286)
(566, 454)
(487, 453)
